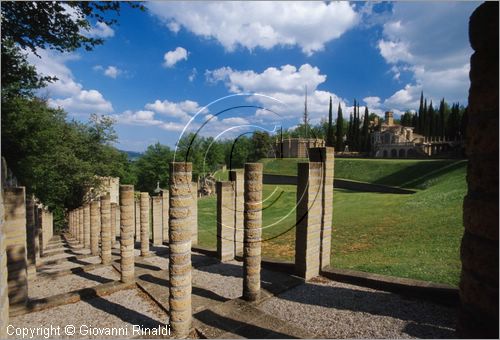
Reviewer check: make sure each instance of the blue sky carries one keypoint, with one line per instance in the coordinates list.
(158, 69)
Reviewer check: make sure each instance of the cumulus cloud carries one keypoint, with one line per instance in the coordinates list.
(433, 48)
(100, 30)
(308, 25)
(66, 92)
(372, 102)
(173, 57)
(282, 89)
(112, 72)
(182, 110)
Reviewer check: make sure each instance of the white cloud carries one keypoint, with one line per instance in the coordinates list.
(309, 25)
(172, 57)
(112, 72)
(181, 110)
(66, 92)
(193, 74)
(286, 85)
(235, 121)
(430, 45)
(372, 102)
(100, 30)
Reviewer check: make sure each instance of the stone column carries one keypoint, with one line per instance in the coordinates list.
(144, 205)
(157, 220)
(239, 206)
(81, 225)
(105, 229)
(4, 294)
(252, 221)
(137, 212)
(31, 236)
(194, 213)
(325, 155)
(164, 215)
(113, 224)
(180, 248)
(308, 219)
(95, 223)
(15, 242)
(127, 233)
(225, 220)
(478, 317)
(39, 217)
(86, 225)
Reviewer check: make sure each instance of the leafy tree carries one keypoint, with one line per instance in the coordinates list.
(261, 144)
(153, 166)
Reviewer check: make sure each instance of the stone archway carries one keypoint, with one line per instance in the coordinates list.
(402, 153)
(394, 153)
(385, 154)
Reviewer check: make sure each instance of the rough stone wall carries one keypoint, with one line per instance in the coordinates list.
(127, 233)
(225, 220)
(252, 221)
(105, 229)
(308, 219)
(239, 205)
(15, 231)
(479, 251)
(325, 155)
(156, 202)
(164, 205)
(31, 236)
(144, 205)
(194, 213)
(95, 227)
(180, 202)
(4, 294)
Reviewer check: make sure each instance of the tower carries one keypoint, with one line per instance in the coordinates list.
(389, 119)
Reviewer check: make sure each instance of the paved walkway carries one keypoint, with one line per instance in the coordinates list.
(72, 287)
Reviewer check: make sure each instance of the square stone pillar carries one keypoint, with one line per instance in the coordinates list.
(325, 155)
(127, 233)
(225, 220)
(308, 219)
(194, 213)
(31, 237)
(239, 205)
(180, 249)
(164, 216)
(4, 293)
(86, 225)
(157, 220)
(252, 221)
(137, 212)
(15, 242)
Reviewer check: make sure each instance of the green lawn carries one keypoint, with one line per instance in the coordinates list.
(415, 236)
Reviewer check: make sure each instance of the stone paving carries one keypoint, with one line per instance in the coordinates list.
(287, 308)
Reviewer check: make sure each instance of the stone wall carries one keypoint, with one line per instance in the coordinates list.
(479, 251)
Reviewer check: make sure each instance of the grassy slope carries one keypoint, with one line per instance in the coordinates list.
(394, 172)
(414, 236)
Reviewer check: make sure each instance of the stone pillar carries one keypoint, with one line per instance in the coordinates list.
(39, 216)
(81, 225)
(252, 221)
(118, 219)
(478, 317)
(105, 229)
(127, 233)
(137, 213)
(157, 220)
(180, 249)
(194, 213)
(15, 242)
(4, 293)
(239, 206)
(164, 215)
(86, 225)
(225, 221)
(31, 236)
(308, 219)
(144, 205)
(325, 155)
(95, 224)
(113, 224)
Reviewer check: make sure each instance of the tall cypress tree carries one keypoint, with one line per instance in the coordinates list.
(442, 119)
(423, 127)
(340, 130)
(365, 132)
(329, 134)
(420, 120)
(349, 132)
(430, 121)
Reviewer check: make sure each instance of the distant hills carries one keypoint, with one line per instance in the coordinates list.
(132, 155)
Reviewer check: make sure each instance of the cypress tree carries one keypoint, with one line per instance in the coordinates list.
(430, 121)
(441, 122)
(365, 133)
(349, 133)
(423, 127)
(340, 130)
(420, 120)
(329, 134)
